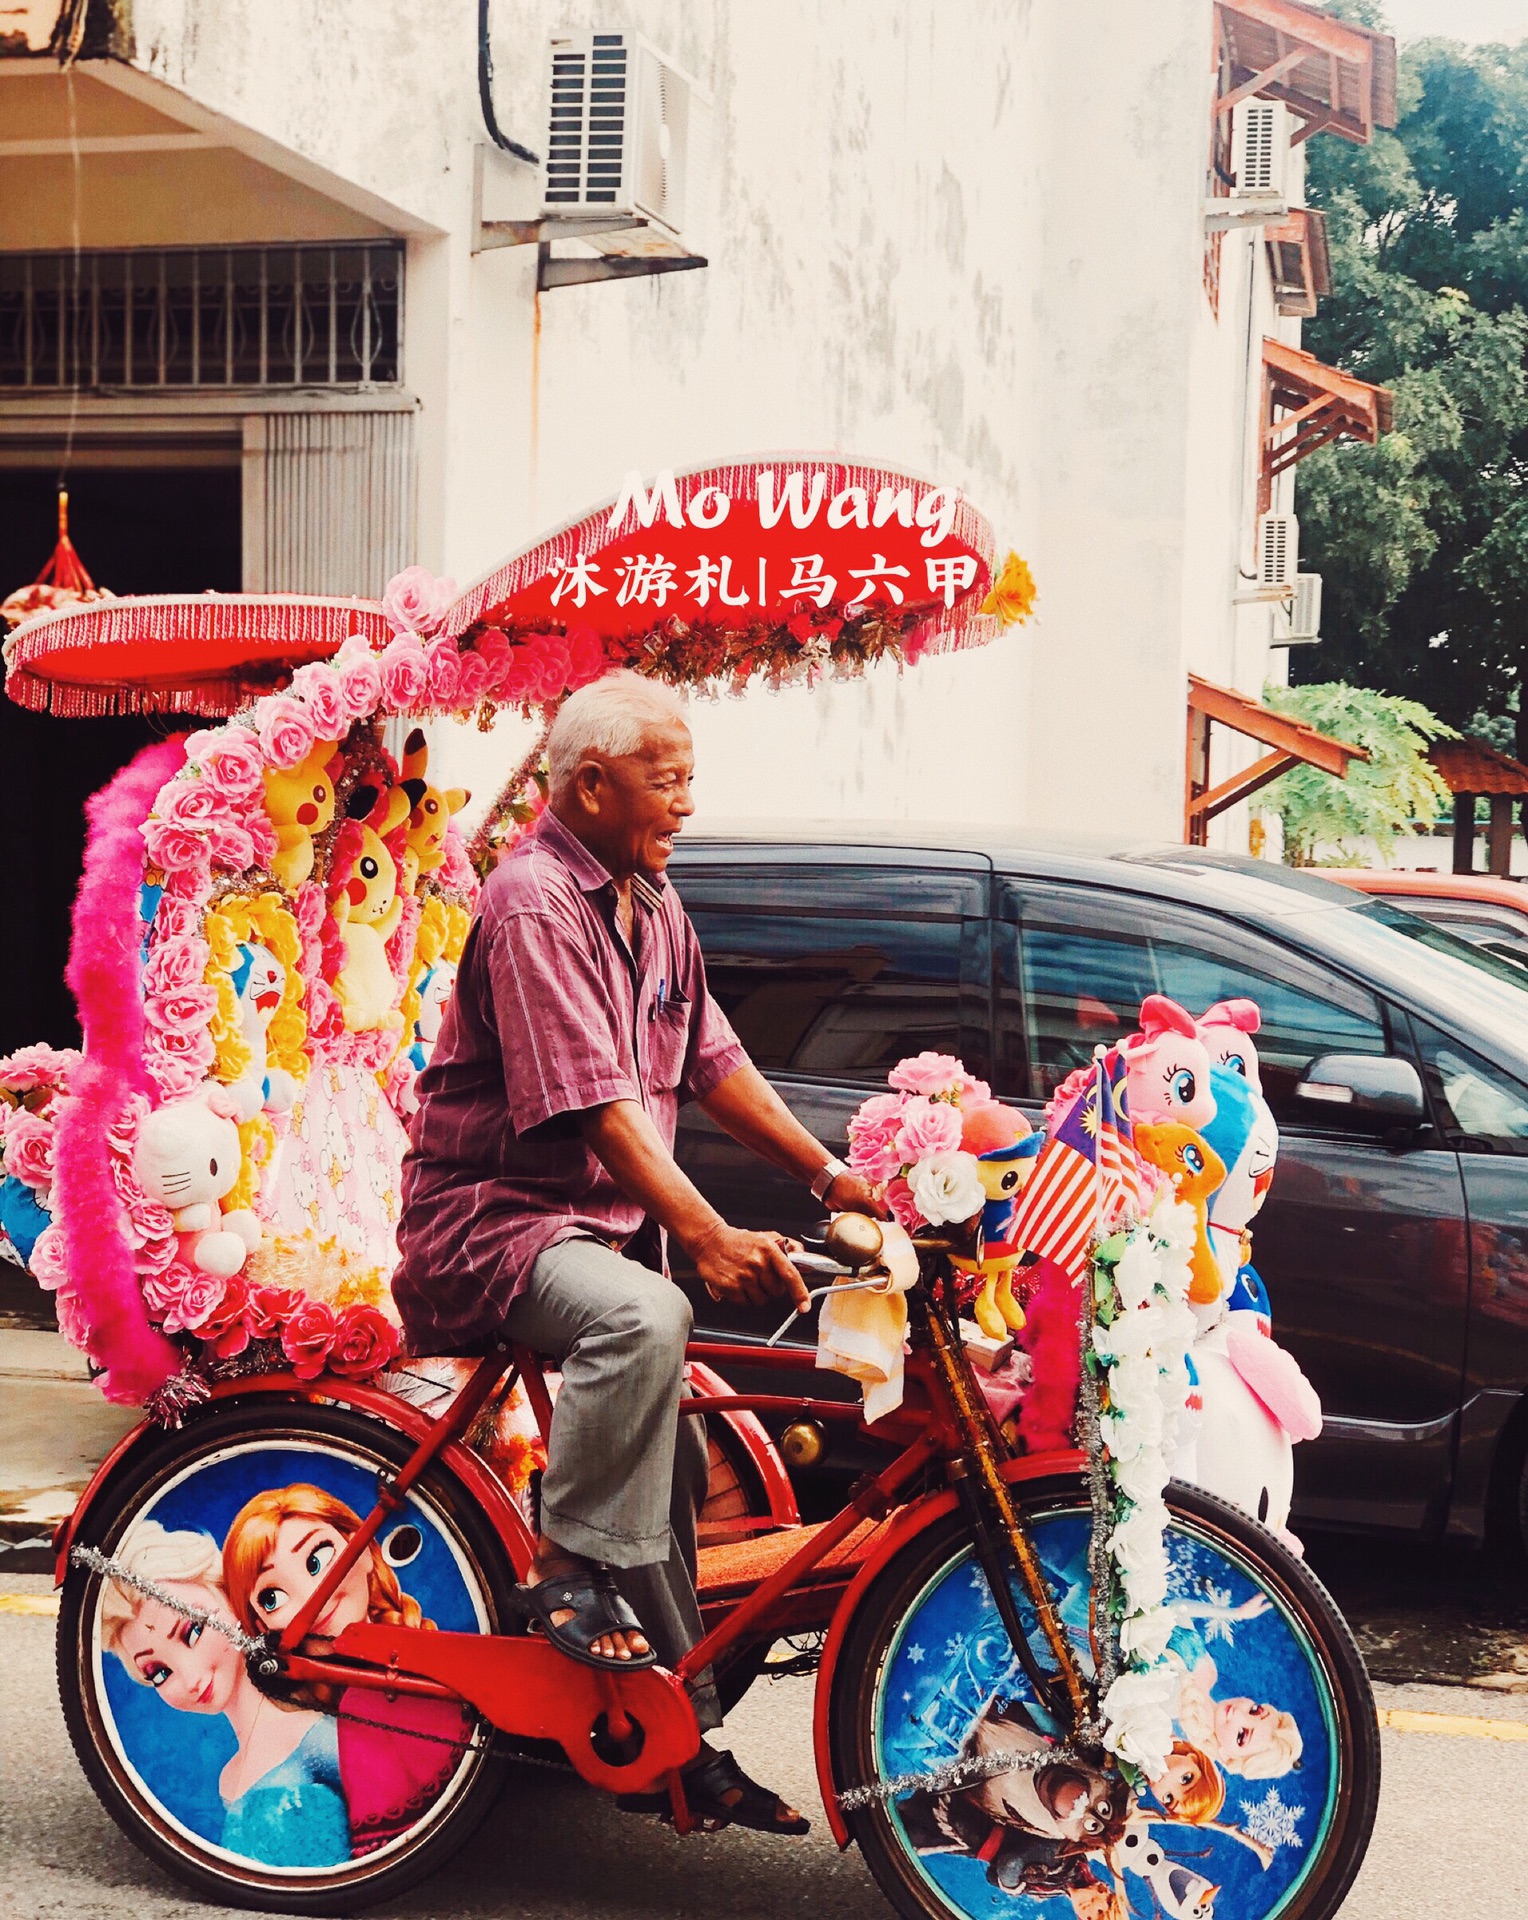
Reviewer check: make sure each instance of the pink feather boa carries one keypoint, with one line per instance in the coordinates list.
(100, 1289)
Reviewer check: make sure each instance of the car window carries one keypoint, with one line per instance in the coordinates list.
(1481, 1109)
(1084, 960)
(843, 991)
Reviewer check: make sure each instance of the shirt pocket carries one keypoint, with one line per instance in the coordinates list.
(668, 1045)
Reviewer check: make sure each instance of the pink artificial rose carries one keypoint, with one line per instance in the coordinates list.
(233, 847)
(361, 684)
(231, 761)
(175, 965)
(873, 1133)
(192, 803)
(405, 670)
(497, 651)
(175, 919)
(521, 676)
(226, 1329)
(173, 848)
(904, 1210)
(122, 1134)
(322, 692)
(38, 1065)
(50, 1262)
(187, 1011)
(928, 1073)
(445, 672)
(188, 1049)
(184, 1296)
(307, 1337)
(268, 1309)
(472, 679)
(586, 656)
(929, 1126)
(154, 1253)
(367, 1340)
(286, 730)
(415, 601)
(29, 1149)
(455, 870)
(555, 665)
(261, 834)
(326, 1016)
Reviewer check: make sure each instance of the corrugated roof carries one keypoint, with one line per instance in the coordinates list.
(1470, 766)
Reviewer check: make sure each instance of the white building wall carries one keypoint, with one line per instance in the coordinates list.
(967, 239)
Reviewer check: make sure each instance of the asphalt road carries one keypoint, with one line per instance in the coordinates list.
(1449, 1842)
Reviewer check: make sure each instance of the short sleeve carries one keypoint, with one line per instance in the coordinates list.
(715, 1053)
(559, 1028)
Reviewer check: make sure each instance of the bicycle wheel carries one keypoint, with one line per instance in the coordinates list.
(300, 1805)
(1268, 1800)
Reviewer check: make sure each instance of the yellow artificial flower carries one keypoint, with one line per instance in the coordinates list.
(1012, 597)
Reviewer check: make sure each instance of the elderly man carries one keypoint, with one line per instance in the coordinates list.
(542, 1183)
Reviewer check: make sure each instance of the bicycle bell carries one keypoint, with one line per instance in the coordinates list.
(854, 1239)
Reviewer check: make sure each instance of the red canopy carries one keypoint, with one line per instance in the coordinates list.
(711, 575)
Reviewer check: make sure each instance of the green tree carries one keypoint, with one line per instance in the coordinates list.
(1384, 796)
(1423, 539)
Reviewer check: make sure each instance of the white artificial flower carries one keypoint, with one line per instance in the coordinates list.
(1141, 1478)
(1130, 1335)
(1138, 1713)
(1144, 1636)
(1147, 1586)
(1127, 1436)
(947, 1187)
(1136, 1542)
(1136, 1274)
(1133, 1390)
(1174, 1221)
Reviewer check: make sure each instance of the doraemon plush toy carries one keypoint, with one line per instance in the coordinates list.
(434, 995)
(187, 1157)
(259, 979)
(1245, 1135)
(1167, 1070)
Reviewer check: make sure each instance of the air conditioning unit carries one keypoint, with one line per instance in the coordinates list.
(1260, 164)
(1278, 551)
(628, 139)
(1301, 626)
(1260, 149)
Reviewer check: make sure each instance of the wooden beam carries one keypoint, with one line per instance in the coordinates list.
(1272, 729)
(1464, 833)
(1499, 837)
(92, 145)
(1267, 78)
(1241, 786)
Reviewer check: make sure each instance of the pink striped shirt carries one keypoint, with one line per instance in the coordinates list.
(552, 1014)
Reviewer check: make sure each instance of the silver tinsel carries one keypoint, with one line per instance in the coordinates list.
(124, 1576)
(169, 1404)
(958, 1773)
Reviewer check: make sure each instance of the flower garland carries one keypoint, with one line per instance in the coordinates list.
(1136, 1326)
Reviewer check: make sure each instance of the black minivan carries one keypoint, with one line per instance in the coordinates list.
(1394, 1243)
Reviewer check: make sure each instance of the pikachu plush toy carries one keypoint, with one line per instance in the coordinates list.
(430, 811)
(367, 910)
(300, 802)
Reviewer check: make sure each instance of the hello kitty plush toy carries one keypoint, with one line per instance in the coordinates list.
(1167, 1066)
(187, 1157)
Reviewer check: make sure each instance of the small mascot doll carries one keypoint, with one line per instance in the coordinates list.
(1006, 1148)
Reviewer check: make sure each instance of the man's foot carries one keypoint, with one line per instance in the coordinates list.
(719, 1794)
(555, 1563)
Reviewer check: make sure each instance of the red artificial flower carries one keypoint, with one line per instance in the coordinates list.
(365, 1343)
(225, 1330)
(267, 1309)
(307, 1338)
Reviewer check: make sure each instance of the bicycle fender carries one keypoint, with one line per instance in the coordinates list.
(908, 1524)
(761, 1450)
(478, 1479)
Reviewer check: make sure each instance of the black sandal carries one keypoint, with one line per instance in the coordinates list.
(706, 1784)
(598, 1609)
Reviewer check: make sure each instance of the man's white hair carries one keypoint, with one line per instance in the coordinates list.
(609, 719)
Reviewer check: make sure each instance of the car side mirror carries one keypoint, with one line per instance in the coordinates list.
(1363, 1088)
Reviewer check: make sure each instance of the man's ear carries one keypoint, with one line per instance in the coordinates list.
(589, 783)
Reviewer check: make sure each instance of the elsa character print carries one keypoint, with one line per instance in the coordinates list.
(283, 1804)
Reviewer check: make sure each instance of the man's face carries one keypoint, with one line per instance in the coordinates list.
(632, 808)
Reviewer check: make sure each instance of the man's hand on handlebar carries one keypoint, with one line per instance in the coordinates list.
(734, 1264)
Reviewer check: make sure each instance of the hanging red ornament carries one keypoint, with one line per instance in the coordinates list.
(63, 582)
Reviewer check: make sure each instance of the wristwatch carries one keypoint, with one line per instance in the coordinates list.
(827, 1173)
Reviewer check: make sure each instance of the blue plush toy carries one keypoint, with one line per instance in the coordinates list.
(22, 1220)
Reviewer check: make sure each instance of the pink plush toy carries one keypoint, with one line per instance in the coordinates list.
(1167, 1066)
(1226, 1030)
(187, 1157)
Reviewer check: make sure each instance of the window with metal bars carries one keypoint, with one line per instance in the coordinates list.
(298, 316)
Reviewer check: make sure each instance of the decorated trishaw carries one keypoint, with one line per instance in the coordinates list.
(1068, 1656)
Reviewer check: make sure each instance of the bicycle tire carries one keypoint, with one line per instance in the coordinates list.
(340, 1450)
(1316, 1851)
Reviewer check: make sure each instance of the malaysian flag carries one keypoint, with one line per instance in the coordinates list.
(1085, 1176)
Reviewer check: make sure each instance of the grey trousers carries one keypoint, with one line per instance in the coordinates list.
(625, 1477)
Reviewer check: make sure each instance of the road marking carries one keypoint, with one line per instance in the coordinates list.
(45, 1604)
(1458, 1725)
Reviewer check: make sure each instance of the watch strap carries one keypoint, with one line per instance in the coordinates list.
(827, 1173)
